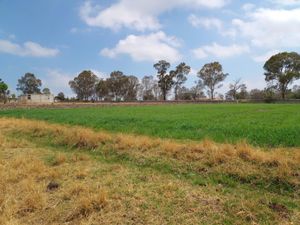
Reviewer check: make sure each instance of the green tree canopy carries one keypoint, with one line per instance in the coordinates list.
(236, 90)
(84, 85)
(116, 84)
(3, 90)
(131, 87)
(165, 80)
(46, 91)
(181, 71)
(60, 96)
(211, 76)
(102, 90)
(29, 84)
(282, 69)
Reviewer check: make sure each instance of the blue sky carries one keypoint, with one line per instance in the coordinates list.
(57, 39)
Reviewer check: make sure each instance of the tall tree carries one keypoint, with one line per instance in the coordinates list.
(102, 90)
(182, 70)
(282, 70)
(156, 91)
(212, 75)
(84, 85)
(116, 85)
(165, 80)
(29, 84)
(46, 91)
(234, 89)
(131, 87)
(3, 91)
(146, 87)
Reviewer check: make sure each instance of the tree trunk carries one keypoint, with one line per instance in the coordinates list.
(283, 90)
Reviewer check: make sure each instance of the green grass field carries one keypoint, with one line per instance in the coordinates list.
(266, 125)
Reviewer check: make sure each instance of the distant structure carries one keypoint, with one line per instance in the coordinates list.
(36, 99)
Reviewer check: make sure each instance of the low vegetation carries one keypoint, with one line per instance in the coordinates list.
(66, 174)
(264, 125)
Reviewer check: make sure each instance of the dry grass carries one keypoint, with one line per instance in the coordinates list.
(86, 138)
(240, 159)
(24, 197)
(92, 192)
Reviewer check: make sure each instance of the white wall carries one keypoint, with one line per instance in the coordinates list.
(36, 99)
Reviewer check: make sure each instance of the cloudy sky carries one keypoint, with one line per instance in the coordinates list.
(57, 39)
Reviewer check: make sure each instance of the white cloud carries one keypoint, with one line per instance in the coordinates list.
(152, 47)
(271, 28)
(286, 2)
(27, 49)
(264, 57)
(248, 6)
(138, 14)
(208, 23)
(58, 81)
(220, 51)
(99, 74)
(211, 23)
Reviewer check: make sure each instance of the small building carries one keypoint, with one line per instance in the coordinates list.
(36, 99)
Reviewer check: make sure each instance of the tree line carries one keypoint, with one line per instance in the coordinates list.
(281, 70)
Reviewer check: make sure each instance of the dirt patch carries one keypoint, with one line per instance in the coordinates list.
(280, 209)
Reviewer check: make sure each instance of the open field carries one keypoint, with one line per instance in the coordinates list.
(58, 174)
(265, 125)
(151, 164)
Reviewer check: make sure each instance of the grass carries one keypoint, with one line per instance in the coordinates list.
(264, 125)
(123, 179)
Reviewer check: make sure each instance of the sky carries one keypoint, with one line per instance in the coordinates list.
(56, 39)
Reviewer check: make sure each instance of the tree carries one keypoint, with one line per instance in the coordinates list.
(29, 84)
(147, 88)
(13, 96)
(234, 89)
(212, 75)
(257, 94)
(131, 86)
(102, 90)
(282, 69)
(183, 93)
(165, 80)
(157, 91)
(4, 92)
(193, 93)
(182, 70)
(197, 91)
(116, 85)
(46, 91)
(296, 92)
(60, 96)
(243, 94)
(84, 85)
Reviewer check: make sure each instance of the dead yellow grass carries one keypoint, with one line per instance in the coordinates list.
(24, 194)
(91, 192)
(279, 162)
